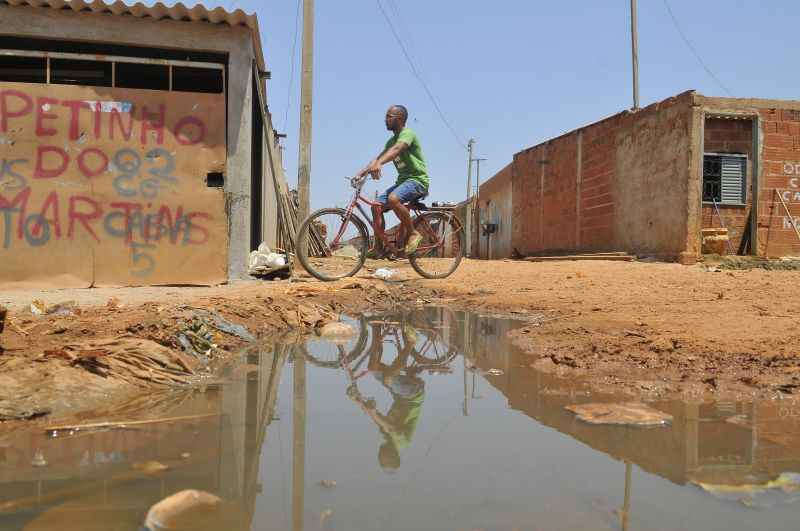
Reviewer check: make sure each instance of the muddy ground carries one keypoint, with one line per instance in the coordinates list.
(649, 329)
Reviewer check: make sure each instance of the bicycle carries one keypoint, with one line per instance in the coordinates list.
(332, 243)
(432, 353)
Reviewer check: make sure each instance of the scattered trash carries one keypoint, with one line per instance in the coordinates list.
(187, 509)
(223, 325)
(628, 413)
(150, 467)
(22, 414)
(38, 459)
(37, 307)
(52, 431)
(785, 489)
(63, 308)
(57, 330)
(494, 372)
(186, 455)
(264, 261)
(130, 359)
(197, 340)
(327, 483)
(337, 331)
(114, 304)
(323, 517)
(383, 273)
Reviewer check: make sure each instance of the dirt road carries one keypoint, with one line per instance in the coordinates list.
(646, 328)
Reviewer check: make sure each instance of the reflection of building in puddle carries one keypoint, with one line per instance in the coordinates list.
(98, 479)
(713, 444)
(745, 452)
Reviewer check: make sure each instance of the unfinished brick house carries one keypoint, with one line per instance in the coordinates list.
(649, 182)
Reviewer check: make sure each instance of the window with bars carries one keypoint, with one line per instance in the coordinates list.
(725, 178)
(119, 72)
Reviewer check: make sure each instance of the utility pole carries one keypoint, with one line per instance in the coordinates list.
(299, 440)
(478, 206)
(306, 91)
(470, 147)
(635, 54)
(468, 213)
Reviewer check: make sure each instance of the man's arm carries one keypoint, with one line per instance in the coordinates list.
(385, 157)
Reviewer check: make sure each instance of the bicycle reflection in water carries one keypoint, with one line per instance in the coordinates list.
(419, 348)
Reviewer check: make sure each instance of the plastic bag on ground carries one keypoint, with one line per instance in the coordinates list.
(383, 273)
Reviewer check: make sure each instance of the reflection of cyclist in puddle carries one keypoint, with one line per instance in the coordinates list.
(408, 393)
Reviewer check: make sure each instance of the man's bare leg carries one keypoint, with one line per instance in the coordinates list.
(380, 231)
(403, 215)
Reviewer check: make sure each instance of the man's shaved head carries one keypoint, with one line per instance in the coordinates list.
(402, 111)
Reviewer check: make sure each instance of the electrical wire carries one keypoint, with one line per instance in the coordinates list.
(419, 77)
(292, 68)
(692, 49)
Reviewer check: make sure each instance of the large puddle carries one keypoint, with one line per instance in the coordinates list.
(433, 422)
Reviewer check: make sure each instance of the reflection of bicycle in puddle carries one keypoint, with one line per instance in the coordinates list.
(418, 349)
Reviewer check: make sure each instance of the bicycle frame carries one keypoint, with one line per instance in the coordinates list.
(358, 198)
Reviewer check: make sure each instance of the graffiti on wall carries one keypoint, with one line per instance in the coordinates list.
(108, 173)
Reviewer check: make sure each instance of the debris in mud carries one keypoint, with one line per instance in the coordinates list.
(383, 273)
(628, 414)
(327, 483)
(37, 307)
(785, 489)
(187, 509)
(337, 331)
(324, 516)
(131, 359)
(7, 413)
(225, 326)
(3, 314)
(150, 467)
(63, 309)
(38, 459)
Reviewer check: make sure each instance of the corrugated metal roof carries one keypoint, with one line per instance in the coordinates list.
(158, 11)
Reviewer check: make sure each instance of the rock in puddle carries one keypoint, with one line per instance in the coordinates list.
(626, 414)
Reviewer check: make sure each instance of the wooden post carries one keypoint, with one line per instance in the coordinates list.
(299, 441)
(635, 54)
(306, 91)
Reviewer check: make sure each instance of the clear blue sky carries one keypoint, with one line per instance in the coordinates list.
(510, 73)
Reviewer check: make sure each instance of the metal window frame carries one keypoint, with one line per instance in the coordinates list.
(743, 203)
(114, 59)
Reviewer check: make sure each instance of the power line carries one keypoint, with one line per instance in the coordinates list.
(692, 49)
(292, 62)
(418, 76)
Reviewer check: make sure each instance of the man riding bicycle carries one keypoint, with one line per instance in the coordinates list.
(404, 150)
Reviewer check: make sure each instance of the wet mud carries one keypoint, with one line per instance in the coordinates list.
(429, 419)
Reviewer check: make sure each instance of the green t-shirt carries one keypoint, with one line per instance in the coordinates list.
(411, 163)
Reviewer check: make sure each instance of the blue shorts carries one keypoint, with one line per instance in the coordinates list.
(407, 191)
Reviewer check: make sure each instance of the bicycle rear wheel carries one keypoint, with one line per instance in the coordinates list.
(442, 246)
(332, 244)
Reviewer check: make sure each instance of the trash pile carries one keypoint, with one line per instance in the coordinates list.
(266, 262)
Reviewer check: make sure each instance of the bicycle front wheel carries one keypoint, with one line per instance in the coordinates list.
(332, 244)
(442, 246)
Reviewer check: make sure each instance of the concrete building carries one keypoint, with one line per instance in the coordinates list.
(649, 182)
(135, 143)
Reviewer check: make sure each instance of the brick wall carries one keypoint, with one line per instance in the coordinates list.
(618, 184)
(780, 171)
